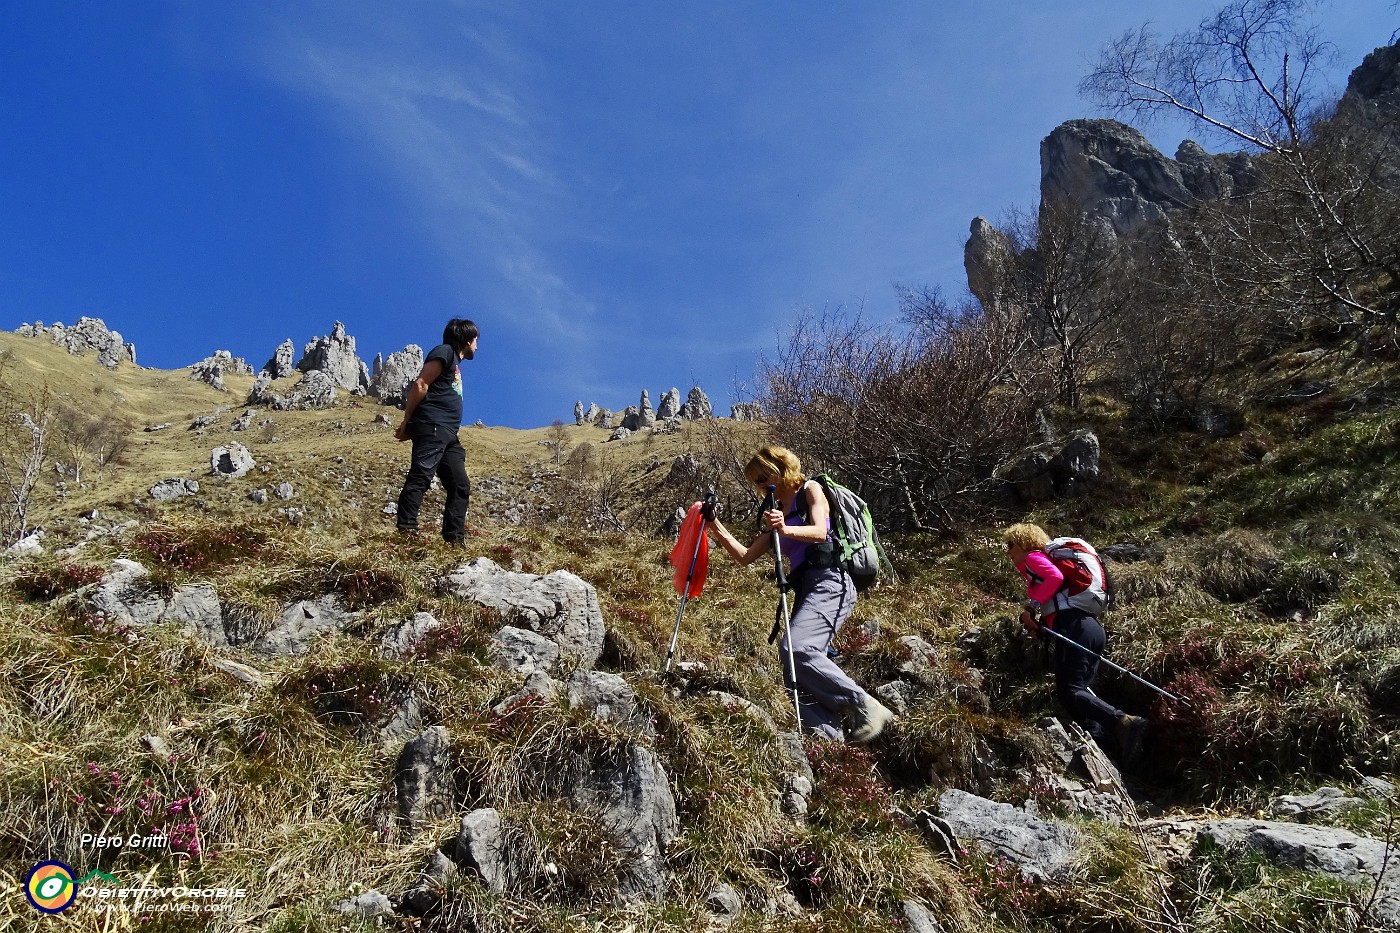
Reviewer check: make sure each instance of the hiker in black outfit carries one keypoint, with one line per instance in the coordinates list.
(1062, 577)
(432, 414)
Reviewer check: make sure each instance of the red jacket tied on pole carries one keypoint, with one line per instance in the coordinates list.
(694, 545)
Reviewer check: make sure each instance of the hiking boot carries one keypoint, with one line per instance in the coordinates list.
(866, 719)
(1131, 730)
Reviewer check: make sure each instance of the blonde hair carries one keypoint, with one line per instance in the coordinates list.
(1027, 536)
(774, 466)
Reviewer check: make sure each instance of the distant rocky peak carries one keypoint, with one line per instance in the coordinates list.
(335, 356)
(89, 333)
(1375, 83)
(697, 407)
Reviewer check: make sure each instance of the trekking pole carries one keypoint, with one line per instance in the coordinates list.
(690, 575)
(1117, 667)
(790, 675)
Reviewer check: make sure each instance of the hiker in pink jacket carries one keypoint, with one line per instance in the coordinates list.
(1046, 592)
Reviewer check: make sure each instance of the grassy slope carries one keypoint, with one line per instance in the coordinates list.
(1271, 604)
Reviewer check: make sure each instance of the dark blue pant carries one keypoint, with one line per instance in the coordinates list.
(436, 450)
(1075, 671)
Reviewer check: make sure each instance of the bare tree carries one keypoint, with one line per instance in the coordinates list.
(1318, 233)
(557, 440)
(916, 422)
(25, 436)
(1068, 274)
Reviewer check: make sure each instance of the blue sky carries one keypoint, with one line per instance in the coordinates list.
(622, 195)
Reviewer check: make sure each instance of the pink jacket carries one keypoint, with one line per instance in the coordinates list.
(1043, 578)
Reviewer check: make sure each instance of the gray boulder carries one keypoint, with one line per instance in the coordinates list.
(231, 461)
(610, 698)
(432, 885)
(1338, 853)
(174, 488)
(724, 902)
(401, 719)
(631, 793)
(578, 412)
(212, 369)
(917, 918)
(123, 595)
(684, 469)
(402, 640)
(302, 622)
(482, 847)
(422, 779)
(538, 686)
(1041, 849)
(1324, 802)
(370, 905)
(522, 651)
(1078, 461)
(560, 606)
(244, 421)
(1096, 790)
(197, 608)
(746, 411)
(250, 676)
(1070, 470)
(29, 546)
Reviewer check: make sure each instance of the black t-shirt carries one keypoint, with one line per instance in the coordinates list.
(443, 404)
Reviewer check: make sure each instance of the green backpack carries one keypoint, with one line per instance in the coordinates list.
(858, 547)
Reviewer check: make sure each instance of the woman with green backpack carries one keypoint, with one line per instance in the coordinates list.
(831, 704)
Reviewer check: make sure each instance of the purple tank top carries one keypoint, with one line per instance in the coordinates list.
(796, 551)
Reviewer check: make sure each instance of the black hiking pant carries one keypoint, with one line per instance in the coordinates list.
(1075, 671)
(436, 451)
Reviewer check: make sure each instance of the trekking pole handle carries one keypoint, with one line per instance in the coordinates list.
(771, 502)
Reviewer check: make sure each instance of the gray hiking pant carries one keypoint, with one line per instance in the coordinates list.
(825, 598)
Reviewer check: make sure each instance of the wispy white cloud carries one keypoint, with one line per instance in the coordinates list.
(450, 114)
